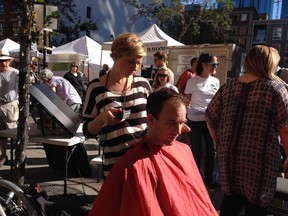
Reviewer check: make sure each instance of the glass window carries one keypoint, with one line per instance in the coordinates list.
(16, 6)
(15, 28)
(242, 30)
(1, 6)
(260, 35)
(277, 33)
(244, 17)
(285, 60)
(286, 48)
(277, 46)
(1, 28)
(88, 15)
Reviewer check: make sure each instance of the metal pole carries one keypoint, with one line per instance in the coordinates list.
(44, 36)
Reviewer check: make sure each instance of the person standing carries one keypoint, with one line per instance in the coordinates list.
(63, 88)
(245, 118)
(162, 79)
(199, 91)
(158, 176)
(160, 60)
(9, 104)
(119, 91)
(104, 70)
(191, 72)
(75, 78)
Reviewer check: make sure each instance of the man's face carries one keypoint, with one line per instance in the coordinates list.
(169, 124)
(4, 65)
(158, 62)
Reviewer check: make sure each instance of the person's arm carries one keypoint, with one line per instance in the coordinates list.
(213, 134)
(283, 132)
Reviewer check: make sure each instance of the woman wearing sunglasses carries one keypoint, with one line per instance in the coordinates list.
(162, 79)
(199, 91)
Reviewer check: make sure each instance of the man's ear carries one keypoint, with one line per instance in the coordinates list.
(150, 119)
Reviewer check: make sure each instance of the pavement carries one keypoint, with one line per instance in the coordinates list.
(81, 191)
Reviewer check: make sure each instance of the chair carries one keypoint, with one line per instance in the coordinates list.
(98, 160)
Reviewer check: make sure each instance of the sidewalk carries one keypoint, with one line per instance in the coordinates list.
(81, 191)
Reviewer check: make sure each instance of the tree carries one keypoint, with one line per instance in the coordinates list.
(185, 20)
(70, 24)
(25, 50)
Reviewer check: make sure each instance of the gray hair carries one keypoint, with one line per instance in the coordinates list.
(46, 74)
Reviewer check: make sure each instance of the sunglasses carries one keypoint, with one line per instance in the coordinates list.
(215, 64)
(162, 75)
(74, 66)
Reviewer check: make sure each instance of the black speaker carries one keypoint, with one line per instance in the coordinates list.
(53, 106)
(78, 163)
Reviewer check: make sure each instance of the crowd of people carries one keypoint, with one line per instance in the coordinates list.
(147, 170)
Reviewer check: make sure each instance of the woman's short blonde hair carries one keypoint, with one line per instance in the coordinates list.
(128, 44)
(262, 61)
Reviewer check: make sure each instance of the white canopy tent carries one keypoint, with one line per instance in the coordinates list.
(84, 51)
(14, 48)
(154, 40)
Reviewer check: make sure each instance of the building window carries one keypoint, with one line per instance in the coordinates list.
(236, 17)
(234, 31)
(241, 42)
(242, 30)
(285, 60)
(15, 28)
(286, 48)
(277, 46)
(1, 28)
(260, 35)
(244, 17)
(88, 15)
(1, 6)
(277, 33)
(16, 6)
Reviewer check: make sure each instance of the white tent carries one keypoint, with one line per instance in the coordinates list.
(151, 36)
(83, 50)
(9, 45)
(154, 40)
(14, 48)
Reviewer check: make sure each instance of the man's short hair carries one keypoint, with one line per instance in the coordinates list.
(46, 74)
(156, 100)
(161, 55)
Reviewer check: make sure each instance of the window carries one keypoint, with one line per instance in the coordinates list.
(285, 60)
(1, 28)
(15, 28)
(286, 48)
(241, 42)
(242, 30)
(260, 35)
(277, 46)
(244, 17)
(236, 17)
(277, 33)
(88, 15)
(16, 6)
(1, 6)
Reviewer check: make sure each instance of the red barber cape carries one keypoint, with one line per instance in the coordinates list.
(153, 180)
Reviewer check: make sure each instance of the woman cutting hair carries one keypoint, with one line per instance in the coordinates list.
(115, 104)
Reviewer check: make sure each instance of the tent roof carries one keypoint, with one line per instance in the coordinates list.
(153, 34)
(8, 44)
(85, 47)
